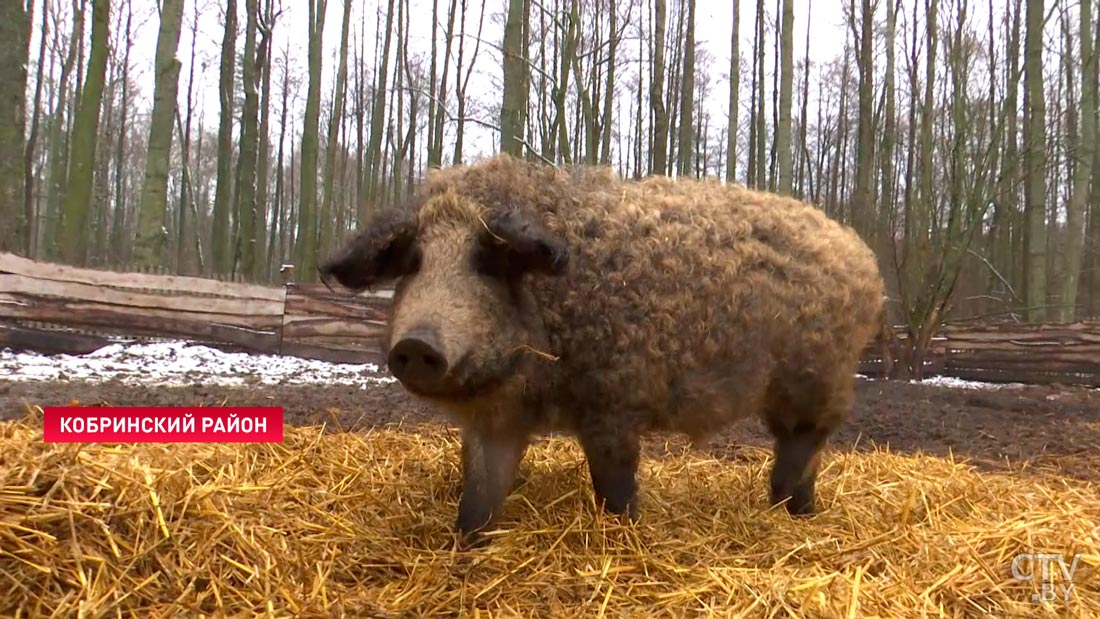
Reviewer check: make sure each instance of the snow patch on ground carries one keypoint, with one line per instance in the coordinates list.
(174, 363)
(956, 383)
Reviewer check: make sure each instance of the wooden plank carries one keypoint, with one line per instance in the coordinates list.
(123, 320)
(1027, 356)
(333, 355)
(350, 307)
(22, 339)
(1038, 365)
(321, 290)
(1026, 347)
(1026, 336)
(11, 263)
(376, 343)
(1023, 376)
(309, 326)
(44, 309)
(19, 284)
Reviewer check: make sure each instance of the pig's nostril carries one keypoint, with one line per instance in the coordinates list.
(417, 360)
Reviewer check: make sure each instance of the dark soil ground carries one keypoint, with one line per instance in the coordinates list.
(1043, 429)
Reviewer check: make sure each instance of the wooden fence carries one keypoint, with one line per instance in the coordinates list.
(56, 308)
(59, 309)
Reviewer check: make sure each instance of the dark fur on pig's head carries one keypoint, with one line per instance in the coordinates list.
(463, 314)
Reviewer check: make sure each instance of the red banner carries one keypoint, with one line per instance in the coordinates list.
(177, 424)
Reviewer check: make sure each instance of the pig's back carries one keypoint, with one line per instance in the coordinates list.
(674, 279)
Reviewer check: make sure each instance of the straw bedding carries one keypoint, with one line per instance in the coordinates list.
(358, 524)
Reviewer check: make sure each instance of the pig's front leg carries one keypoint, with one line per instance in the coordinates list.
(490, 460)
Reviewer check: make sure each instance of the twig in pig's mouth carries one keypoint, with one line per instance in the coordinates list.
(497, 237)
(532, 349)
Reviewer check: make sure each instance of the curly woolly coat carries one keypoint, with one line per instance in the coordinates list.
(676, 305)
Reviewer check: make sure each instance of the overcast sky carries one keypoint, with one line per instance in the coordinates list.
(713, 25)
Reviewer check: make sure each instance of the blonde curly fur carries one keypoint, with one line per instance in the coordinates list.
(688, 303)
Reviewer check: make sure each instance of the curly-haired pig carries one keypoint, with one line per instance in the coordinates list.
(532, 299)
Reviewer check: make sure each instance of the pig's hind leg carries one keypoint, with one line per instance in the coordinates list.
(612, 452)
(802, 410)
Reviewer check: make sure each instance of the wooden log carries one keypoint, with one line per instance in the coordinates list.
(1044, 335)
(1027, 356)
(17, 265)
(1025, 347)
(1025, 376)
(1038, 365)
(260, 336)
(22, 339)
(333, 355)
(232, 308)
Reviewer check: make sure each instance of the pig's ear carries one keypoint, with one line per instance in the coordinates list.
(518, 243)
(384, 250)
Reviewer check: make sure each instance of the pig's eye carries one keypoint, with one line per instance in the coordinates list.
(492, 262)
(409, 261)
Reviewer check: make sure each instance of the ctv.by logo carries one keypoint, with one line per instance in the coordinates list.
(1024, 570)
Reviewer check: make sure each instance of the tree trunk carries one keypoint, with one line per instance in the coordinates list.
(659, 155)
(333, 140)
(186, 229)
(153, 212)
(783, 128)
(58, 158)
(1093, 232)
(886, 200)
(761, 165)
(260, 270)
(29, 210)
(804, 168)
(435, 150)
(223, 192)
(277, 242)
(515, 81)
(863, 200)
(74, 224)
(609, 87)
(687, 98)
(735, 83)
(1084, 162)
(377, 122)
(244, 201)
(15, 31)
(1035, 238)
(121, 207)
(306, 245)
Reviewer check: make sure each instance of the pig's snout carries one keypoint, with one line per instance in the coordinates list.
(418, 361)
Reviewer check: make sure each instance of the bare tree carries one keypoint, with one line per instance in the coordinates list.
(1084, 162)
(1035, 237)
(658, 156)
(15, 27)
(687, 97)
(735, 79)
(223, 192)
(152, 234)
(306, 246)
(515, 80)
(783, 126)
(74, 237)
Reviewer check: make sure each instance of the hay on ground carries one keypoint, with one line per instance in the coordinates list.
(358, 524)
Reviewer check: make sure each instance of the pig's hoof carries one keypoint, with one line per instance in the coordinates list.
(799, 504)
(624, 510)
(471, 540)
